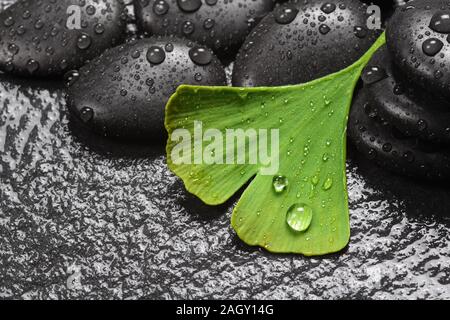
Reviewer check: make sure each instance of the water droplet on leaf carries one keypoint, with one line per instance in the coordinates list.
(279, 183)
(299, 217)
(327, 184)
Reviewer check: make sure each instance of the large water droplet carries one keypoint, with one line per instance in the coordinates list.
(156, 55)
(373, 74)
(32, 66)
(285, 14)
(160, 7)
(299, 217)
(432, 46)
(328, 8)
(189, 5)
(440, 22)
(279, 183)
(201, 56)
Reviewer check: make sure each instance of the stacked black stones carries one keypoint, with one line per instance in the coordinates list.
(401, 117)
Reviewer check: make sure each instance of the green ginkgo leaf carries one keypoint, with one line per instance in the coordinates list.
(301, 207)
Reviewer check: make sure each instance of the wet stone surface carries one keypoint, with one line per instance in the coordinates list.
(83, 217)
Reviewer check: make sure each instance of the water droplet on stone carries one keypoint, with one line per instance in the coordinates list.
(328, 8)
(189, 5)
(86, 114)
(432, 46)
(156, 55)
(198, 77)
(84, 41)
(285, 14)
(208, 23)
(422, 125)
(99, 28)
(188, 27)
(373, 74)
(168, 47)
(14, 49)
(398, 90)
(360, 32)
(201, 56)
(9, 21)
(135, 54)
(324, 29)
(387, 147)
(328, 183)
(408, 156)
(71, 77)
(160, 7)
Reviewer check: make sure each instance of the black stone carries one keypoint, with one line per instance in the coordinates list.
(421, 52)
(220, 25)
(127, 87)
(413, 112)
(381, 143)
(313, 45)
(45, 38)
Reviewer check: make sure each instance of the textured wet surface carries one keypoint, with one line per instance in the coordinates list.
(83, 217)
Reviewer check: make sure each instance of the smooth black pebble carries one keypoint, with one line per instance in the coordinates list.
(407, 109)
(380, 142)
(49, 37)
(220, 25)
(418, 38)
(299, 42)
(123, 92)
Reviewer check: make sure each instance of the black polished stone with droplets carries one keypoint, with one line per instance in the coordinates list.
(417, 37)
(49, 37)
(412, 112)
(303, 40)
(221, 25)
(380, 142)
